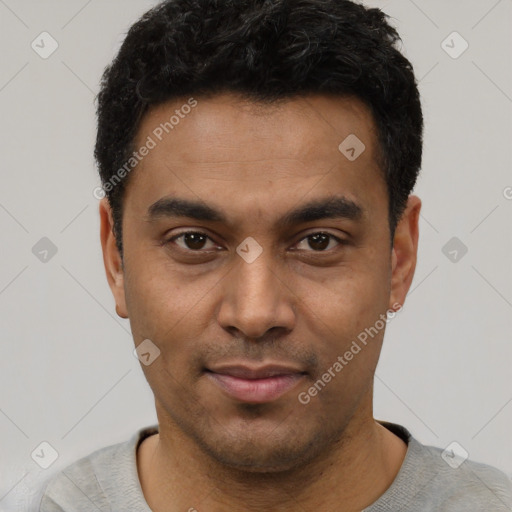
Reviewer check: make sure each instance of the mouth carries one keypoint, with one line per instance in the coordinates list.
(255, 385)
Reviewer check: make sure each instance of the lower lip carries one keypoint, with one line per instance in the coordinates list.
(255, 391)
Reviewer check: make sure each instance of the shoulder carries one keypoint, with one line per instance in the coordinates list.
(96, 481)
(463, 482)
(435, 480)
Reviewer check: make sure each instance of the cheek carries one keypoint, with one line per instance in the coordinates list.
(152, 299)
(343, 316)
(169, 309)
(168, 314)
(346, 301)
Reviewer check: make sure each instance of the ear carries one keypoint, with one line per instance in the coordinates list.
(404, 253)
(111, 258)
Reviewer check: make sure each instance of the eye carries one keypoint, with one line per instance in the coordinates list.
(197, 241)
(320, 242)
(192, 240)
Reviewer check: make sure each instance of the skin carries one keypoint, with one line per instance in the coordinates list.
(296, 303)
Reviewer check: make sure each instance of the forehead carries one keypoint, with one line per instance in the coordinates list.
(227, 148)
(304, 127)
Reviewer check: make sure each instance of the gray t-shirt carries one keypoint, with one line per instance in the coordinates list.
(107, 480)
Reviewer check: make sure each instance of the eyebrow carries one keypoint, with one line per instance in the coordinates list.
(332, 207)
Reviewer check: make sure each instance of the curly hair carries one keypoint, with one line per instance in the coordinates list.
(265, 51)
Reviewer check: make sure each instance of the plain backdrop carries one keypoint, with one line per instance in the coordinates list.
(68, 376)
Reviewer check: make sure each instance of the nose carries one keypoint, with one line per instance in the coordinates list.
(256, 298)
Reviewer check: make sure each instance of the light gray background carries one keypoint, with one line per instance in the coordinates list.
(67, 372)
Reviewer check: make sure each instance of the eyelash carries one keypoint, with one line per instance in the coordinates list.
(180, 235)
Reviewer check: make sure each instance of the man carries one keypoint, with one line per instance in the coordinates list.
(258, 231)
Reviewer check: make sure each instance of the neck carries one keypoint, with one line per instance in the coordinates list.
(358, 468)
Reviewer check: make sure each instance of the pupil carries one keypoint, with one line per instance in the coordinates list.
(193, 240)
(321, 240)
(318, 242)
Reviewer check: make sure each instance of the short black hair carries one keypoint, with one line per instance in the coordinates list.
(265, 51)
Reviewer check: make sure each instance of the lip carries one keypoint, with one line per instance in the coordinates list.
(255, 384)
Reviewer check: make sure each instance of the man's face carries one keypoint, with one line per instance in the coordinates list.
(211, 300)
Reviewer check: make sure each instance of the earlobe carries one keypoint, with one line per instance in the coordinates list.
(404, 252)
(111, 258)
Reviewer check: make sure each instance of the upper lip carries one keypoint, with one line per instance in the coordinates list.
(244, 371)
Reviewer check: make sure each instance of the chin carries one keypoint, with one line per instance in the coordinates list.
(263, 451)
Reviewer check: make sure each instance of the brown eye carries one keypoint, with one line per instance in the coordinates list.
(319, 242)
(192, 240)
